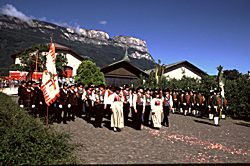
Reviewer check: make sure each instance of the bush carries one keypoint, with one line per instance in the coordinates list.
(25, 140)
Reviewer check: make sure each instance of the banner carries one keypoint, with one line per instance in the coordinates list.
(50, 85)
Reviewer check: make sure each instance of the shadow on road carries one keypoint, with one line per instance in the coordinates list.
(243, 124)
(204, 122)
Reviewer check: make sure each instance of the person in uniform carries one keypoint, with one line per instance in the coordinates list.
(210, 105)
(147, 112)
(167, 106)
(88, 104)
(63, 102)
(181, 101)
(79, 101)
(139, 108)
(117, 119)
(126, 104)
(193, 98)
(99, 105)
(21, 92)
(33, 99)
(217, 103)
(157, 109)
(108, 101)
(175, 101)
(27, 97)
(187, 104)
(201, 104)
(72, 101)
(41, 105)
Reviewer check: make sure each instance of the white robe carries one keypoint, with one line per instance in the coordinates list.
(156, 112)
(117, 119)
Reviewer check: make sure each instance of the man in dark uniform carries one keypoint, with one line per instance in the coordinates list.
(175, 101)
(147, 112)
(63, 102)
(210, 104)
(33, 99)
(126, 103)
(181, 101)
(21, 92)
(72, 102)
(201, 104)
(139, 107)
(187, 103)
(80, 101)
(41, 105)
(88, 104)
(27, 97)
(99, 105)
(167, 106)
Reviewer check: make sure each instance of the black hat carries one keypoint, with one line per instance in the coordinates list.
(126, 86)
(167, 90)
(65, 85)
(139, 88)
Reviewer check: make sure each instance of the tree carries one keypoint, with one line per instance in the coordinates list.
(88, 73)
(159, 74)
(34, 58)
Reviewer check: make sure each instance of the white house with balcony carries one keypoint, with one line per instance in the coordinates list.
(73, 59)
(179, 69)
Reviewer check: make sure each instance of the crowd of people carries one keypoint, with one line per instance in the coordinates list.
(148, 107)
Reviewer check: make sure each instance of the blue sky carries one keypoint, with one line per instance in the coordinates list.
(207, 33)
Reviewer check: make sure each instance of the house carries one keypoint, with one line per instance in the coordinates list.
(122, 72)
(74, 59)
(183, 68)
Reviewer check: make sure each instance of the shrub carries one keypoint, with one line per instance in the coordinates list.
(25, 140)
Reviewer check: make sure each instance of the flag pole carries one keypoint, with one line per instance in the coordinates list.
(47, 116)
(47, 110)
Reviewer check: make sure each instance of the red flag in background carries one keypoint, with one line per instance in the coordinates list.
(50, 85)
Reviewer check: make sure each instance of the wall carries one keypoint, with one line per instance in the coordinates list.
(73, 62)
(178, 73)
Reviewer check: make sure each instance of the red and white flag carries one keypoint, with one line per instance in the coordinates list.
(50, 85)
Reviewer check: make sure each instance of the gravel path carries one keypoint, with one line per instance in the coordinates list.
(187, 140)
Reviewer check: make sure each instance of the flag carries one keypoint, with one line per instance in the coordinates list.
(50, 85)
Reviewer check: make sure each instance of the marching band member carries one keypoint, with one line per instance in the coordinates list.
(126, 104)
(63, 102)
(148, 98)
(139, 108)
(108, 101)
(181, 104)
(72, 101)
(175, 101)
(21, 92)
(87, 97)
(99, 105)
(187, 103)
(201, 104)
(167, 106)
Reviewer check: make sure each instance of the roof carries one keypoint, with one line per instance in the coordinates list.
(124, 62)
(185, 63)
(58, 47)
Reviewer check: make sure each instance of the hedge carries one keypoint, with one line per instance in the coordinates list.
(25, 140)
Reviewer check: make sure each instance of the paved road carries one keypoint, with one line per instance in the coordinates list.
(187, 140)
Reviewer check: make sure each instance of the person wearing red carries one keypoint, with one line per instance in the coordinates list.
(148, 98)
(126, 104)
(167, 106)
(117, 119)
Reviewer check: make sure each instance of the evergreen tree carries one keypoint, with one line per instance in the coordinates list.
(88, 73)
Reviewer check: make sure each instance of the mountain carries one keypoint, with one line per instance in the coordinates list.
(17, 35)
